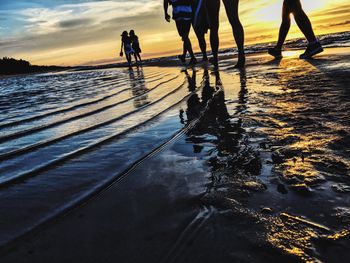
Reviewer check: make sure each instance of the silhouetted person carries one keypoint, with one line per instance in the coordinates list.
(135, 45)
(126, 43)
(294, 7)
(231, 6)
(182, 14)
(200, 24)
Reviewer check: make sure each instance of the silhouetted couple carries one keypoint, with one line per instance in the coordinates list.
(204, 15)
(131, 45)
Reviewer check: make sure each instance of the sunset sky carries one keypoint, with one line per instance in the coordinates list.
(86, 32)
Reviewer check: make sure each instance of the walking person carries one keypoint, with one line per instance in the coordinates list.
(200, 25)
(294, 7)
(231, 7)
(126, 43)
(182, 14)
(135, 45)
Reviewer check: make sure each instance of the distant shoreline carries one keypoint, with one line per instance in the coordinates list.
(2, 76)
(333, 40)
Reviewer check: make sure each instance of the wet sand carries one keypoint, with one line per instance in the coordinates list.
(253, 166)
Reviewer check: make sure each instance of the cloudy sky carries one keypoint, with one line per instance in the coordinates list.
(85, 32)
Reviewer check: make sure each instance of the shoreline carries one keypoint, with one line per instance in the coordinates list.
(257, 49)
(33, 73)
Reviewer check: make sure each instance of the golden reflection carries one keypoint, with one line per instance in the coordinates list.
(138, 87)
(339, 235)
(296, 123)
(292, 237)
(300, 149)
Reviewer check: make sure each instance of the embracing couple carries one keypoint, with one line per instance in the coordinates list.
(203, 15)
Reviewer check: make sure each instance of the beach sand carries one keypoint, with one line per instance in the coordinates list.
(252, 166)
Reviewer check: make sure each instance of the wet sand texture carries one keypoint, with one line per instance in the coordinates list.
(239, 166)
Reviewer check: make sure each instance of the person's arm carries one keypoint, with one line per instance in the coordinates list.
(121, 49)
(166, 15)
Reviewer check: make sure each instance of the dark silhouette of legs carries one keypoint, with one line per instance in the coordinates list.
(303, 22)
(128, 58)
(183, 27)
(294, 7)
(188, 45)
(213, 7)
(135, 56)
(202, 44)
(285, 25)
(231, 7)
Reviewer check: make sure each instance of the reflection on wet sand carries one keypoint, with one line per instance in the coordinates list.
(256, 170)
(138, 87)
(229, 152)
(297, 131)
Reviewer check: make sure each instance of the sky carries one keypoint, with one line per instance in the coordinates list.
(87, 32)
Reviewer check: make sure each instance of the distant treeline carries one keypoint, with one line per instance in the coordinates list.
(9, 66)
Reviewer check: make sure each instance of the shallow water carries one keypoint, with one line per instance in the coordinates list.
(40, 150)
(259, 159)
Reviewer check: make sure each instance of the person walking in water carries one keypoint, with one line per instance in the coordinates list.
(126, 43)
(294, 7)
(135, 45)
(182, 14)
(231, 6)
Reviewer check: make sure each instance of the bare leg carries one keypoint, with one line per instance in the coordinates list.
(186, 39)
(231, 7)
(128, 58)
(303, 21)
(285, 25)
(184, 52)
(213, 7)
(135, 55)
(202, 44)
(184, 28)
(188, 46)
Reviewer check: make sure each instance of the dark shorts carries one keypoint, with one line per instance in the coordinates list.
(183, 27)
(292, 4)
(200, 17)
